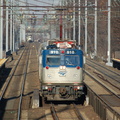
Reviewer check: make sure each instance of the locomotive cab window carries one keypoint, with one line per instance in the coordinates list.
(53, 60)
(72, 60)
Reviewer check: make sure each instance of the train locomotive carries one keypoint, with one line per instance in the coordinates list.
(61, 73)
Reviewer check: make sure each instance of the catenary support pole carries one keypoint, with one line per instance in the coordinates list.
(95, 29)
(85, 26)
(109, 34)
(11, 28)
(66, 30)
(1, 29)
(6, 27)
(22, 33)
(61, 24)
(73, 19)
(79, 22)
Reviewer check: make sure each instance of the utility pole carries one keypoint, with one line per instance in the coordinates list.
(65, 3)
(70, 17)
(22, 28)
(95, 29)
(63, 32)
(22, 25)
(11, 27)
(79, 24)
(73, 19)
(22, 33)
(17, 30)
(85, 26)
(63, 29)
(109, 34)
(6, 26)
(1, 29)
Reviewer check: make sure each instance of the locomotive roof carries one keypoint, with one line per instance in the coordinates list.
(51, 42)
(62, 43)
(54, 44)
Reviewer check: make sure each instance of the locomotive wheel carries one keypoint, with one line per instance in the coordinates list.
(40, 101)
(118, 67)
(114, 65)
(45, 99)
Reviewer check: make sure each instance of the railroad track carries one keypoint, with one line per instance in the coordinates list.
(17, 101)
(23, 85)
(106, 75)
(56, 114)
(53, 112)
(106, 94)
(103, 67)
(110, 73)
(3, 90)
(13, 91)
(6, 94)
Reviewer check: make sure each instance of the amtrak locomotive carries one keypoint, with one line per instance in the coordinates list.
(61, 70)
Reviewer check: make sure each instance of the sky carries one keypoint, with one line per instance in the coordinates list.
(43, 2)
(39, 3)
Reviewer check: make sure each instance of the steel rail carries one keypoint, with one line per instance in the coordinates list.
(102, 84)
(102, 77)
(11, 75)
(99, 97)
(53, 112)
(79, 115)
(104, 67)
(102, 72)
(23, 84)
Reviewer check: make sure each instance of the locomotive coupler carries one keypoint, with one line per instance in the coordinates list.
(62, 91)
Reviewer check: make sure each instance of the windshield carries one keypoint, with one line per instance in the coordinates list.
(53, 60)
(71, 60)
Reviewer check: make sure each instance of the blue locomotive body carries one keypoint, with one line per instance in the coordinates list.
(61, 73)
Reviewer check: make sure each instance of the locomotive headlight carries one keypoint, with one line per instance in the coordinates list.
(44, 87)
(78, 87)
(62, 67)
